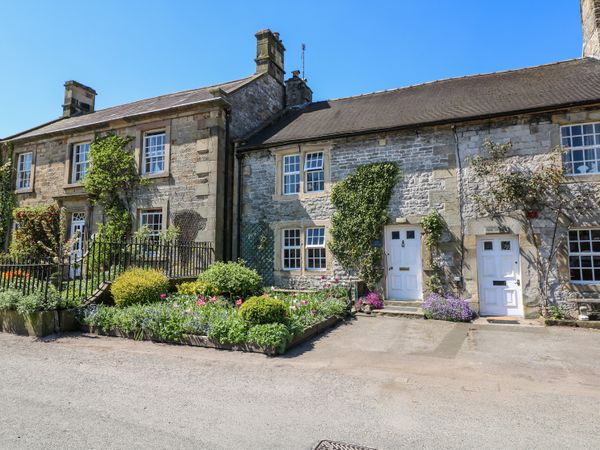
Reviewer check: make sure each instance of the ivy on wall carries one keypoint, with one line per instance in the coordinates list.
(112, 176)
(361, 201)
(7, 200)
(433, 226)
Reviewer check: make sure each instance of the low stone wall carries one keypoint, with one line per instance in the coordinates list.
(38, 324)
(203, 341)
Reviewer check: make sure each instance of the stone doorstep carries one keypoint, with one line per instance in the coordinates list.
(413, 312)
(497, 321)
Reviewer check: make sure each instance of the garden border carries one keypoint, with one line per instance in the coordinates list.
(204, 341)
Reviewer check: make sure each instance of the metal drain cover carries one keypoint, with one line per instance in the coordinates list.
(331, 445)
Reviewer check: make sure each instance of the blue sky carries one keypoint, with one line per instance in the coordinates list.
(130, 50)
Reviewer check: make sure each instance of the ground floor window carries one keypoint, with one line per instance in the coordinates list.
(152, 219)
(584, 255)
(312, 251)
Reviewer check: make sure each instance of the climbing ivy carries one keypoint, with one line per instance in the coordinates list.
(361, 201)
(433, 226)
(112, 176)
(7, 200)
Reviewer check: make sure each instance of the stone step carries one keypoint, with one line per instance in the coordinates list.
(413, 303)
(400, 311)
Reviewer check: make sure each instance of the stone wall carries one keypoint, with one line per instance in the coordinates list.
(427, 159)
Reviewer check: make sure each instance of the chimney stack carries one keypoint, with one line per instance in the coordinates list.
(269, 54)
(79, 99)
(297, 91)
(590, 23)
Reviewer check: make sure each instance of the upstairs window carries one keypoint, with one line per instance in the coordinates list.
(314, 173)
(291, 174)
(583, 148)
(154, 153)
(80, 162)
(24, 164)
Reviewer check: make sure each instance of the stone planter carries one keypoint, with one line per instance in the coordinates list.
(38, 324)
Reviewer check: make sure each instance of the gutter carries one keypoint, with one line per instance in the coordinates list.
(418, 125)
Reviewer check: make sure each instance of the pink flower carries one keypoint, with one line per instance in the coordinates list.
(200, 303)
(163, 296)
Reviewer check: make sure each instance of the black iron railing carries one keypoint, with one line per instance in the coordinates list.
(101, 262)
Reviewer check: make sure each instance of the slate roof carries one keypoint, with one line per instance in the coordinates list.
(561, 84)
(141, 107)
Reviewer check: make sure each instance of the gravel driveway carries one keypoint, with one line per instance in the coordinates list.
(381, 382)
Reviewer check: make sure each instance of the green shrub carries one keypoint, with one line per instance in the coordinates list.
(197, 288)
(270, 335)
(232, 279)
(137, 286)
(9, 299)
(262, 310)
(230, 329)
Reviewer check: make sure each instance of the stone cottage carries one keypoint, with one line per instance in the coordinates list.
(430, 130)
(182, 144)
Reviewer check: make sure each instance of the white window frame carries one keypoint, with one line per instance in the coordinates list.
(297, 248)
(582, 140)
(24, 175)
(145, 214)
(157, 157)
(319, 245)
(79, 168)
(586, 253)
(291, 176)
(314, 170)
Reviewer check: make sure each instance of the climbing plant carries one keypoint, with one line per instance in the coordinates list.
(361, 201)
(110, 180)
(7, 200)
(433, 226)
(528, 192)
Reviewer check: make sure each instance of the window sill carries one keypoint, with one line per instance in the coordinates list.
(155, 176)
(299, 197)
(313, 273)
(73, 186)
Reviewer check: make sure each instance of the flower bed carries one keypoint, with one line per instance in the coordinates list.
(216, 321)
(447, 307)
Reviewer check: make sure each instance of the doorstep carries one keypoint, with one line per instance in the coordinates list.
(507, 321)
(401, 309)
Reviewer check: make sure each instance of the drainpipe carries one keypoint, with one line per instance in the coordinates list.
(227, 204)
(240, 159)
(460, 206)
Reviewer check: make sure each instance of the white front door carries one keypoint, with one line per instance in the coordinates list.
(499, 274)
(403, 253)
(77, 228)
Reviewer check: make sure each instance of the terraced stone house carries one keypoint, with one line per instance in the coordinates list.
(182, 143)
(430, 131)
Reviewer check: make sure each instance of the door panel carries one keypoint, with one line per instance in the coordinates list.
(499, 273)
(403, 253)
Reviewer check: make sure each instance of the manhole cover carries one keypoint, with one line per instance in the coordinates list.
(504, 321)
(331, 445)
